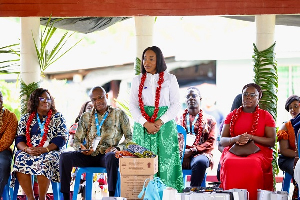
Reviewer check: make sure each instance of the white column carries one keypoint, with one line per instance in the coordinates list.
(265, 28)
(30, 70)
(144, 33)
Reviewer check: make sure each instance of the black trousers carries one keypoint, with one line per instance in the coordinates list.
(77, 159)
(286, 164)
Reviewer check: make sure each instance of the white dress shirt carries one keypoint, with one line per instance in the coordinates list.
(169, 96)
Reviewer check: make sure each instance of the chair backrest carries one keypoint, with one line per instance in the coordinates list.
(182, 132)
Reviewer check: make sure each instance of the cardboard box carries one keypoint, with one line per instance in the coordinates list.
(131, 185)
(138, 166)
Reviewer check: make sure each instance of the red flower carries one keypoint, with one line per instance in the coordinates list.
(200, 127)
(157, 97)
(46, 129)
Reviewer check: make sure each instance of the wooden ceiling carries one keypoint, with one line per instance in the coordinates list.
(102, 8)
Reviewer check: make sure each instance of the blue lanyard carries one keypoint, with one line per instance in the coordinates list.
(101, 123)
(41, 125)
(193, 123)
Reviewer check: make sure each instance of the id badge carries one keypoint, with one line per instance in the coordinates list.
(96, 142)
(190, 139)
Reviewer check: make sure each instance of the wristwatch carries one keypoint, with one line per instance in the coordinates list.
(161, 121)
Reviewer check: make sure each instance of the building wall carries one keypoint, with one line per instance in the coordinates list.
(81, 8)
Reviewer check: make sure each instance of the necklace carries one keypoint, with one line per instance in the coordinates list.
(45, 128)
(200, 126)
(157, 97)
(236, 115)
(1, 117)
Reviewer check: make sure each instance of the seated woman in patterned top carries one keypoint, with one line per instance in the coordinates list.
(40, 137)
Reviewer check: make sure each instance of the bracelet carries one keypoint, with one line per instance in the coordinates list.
(162, 123)
(47, 149)
(25, 149)
(230, 141)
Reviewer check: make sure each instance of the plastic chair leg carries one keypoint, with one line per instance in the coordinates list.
(5, 194)
(286, 182)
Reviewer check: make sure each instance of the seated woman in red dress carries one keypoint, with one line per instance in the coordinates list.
(242, 125)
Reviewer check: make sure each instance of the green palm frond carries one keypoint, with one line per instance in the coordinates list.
(137, 67)
(10, 66)
(25, 92)
(124, 105)
(265, 69)
(47, 57)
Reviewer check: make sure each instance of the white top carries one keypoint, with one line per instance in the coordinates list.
(169, 96)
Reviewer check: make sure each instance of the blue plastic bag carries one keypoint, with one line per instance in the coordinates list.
(154, 189)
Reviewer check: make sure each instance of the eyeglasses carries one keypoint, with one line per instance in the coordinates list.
(192, 95)
(247, 94)
(45, 99)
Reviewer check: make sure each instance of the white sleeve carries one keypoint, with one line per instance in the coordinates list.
(174, 97)
(134, 102)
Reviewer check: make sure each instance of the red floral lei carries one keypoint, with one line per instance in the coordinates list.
(236, 115)
(200, 127)
(157, 96)
(46, 129)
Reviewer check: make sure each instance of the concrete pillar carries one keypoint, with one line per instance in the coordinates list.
(30, 70)
(144, 33)
(265, 28)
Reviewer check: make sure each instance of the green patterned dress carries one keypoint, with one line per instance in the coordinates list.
(164, 144)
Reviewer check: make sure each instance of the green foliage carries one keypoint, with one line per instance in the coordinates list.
(124, 105)
(137, 67)
(47, 57)
(10, 97)
(265, 69)
(10, 66)
(25, 92)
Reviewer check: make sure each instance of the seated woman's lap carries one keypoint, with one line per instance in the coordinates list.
(244, 173)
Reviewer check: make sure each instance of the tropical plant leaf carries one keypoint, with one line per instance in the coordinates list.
(45, 56)
(137, 67)
(25, 92)
(265, 69)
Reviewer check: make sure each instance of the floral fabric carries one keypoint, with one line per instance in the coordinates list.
(46, 164)
(165, 144)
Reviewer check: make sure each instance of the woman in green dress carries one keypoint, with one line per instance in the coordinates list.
(154, 104)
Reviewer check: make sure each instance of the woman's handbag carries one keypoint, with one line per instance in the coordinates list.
(244, 150)
(154, 189)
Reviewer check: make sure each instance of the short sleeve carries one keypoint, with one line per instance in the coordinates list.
(270, 122)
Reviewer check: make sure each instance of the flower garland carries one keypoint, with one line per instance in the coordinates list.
(200, 126)
(157, 97)
(236, 115)
(44, 138)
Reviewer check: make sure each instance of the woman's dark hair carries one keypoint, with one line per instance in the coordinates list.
(257, 87)
(82, 110)
(290, 100)
(160, 60)
(33, 101)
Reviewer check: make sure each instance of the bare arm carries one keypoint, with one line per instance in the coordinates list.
(269, 139)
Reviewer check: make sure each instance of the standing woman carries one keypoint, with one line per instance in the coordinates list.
(40, 137)
(154, 104)
(287, 139)
(248, 123)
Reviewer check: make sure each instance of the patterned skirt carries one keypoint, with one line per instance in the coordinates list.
(164, 144)
(46, 164)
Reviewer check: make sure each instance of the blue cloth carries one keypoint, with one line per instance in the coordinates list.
(296, 124)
